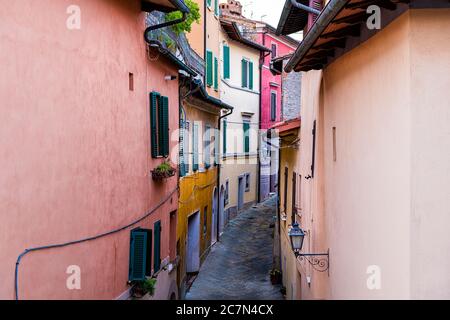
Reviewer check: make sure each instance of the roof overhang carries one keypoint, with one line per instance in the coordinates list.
(292, 19)
(288, 126)
(164, 5)
(232, 30)
(276, 65)
(341, 26)
(197, 96)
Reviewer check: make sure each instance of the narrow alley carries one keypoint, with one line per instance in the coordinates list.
(238, 266)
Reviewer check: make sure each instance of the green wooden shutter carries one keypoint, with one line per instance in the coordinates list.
(209, 68)
(216, 147)
(138, 258)
(208, 3)
(246, 137)
(216, 7)
(195, 147)
(250, 75)
(157, 250)
(154, 97)
(165, 126)
(226, 62)
(225, 137)
(244, 73)
(207, 150)
(216, 73)
(181, 150)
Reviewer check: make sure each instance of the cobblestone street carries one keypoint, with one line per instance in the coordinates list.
(238, 266)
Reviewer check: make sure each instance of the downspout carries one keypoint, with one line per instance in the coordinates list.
(163, 25)
(263, 59)
(304, 7)
(218, 174)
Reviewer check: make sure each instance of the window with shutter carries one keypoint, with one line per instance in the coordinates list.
(209, 68)
(274, 50)
(181, 152)
(244, 73)
(216, 74)
(250, 75)
(207, 146)
(315, 4)
(138, 255)
(246, 137)
(159, 125)
(273, 106)
(226, 62)
(286, 177)
(216, 147)
(216, 7)
(157, 249)
(195, 147)
(154, 106)
(294, 195)
(164, 127)
(225, 137)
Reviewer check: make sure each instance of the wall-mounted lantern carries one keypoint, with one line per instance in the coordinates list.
(319, 261)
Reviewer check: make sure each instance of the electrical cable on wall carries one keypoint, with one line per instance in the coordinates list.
(60, 245)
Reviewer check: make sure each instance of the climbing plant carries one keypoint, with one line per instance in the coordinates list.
(193, 16)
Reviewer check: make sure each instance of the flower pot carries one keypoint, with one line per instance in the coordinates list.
(161, 175)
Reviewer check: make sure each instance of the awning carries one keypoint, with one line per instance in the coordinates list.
(292, 19)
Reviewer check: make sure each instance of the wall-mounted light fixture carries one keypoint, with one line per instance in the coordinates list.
(319, 261)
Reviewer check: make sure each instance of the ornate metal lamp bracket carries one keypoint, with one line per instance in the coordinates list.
(319, 261)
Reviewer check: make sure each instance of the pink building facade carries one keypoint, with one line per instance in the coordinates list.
(271, 105)
(76, 156)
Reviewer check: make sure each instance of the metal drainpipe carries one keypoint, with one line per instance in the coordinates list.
(218, 175)
(163, 25)
(263, 58)
(304, 7)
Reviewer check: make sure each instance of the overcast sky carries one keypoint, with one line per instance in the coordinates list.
(268, 11)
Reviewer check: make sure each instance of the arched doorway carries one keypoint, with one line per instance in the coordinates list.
(221, 210)
(215, 219)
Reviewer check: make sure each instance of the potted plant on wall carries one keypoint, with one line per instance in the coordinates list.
(141, 288)
(163, 171)
(275, 276)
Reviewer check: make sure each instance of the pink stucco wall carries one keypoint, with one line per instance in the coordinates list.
(271, 82)
(75, 146)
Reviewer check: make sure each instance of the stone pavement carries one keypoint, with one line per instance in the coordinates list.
(238, 266)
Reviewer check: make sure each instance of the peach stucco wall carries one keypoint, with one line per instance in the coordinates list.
(430, 154)
(384, 201)
(74, 142)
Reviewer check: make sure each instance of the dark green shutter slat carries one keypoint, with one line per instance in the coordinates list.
(244, 73)
(246, 137)
(181, 151)
(250, 75)
(164, 126)
(216, 7)
(138, 256)
(157, 250)
(216, 74)
(225, 136)
(226, 62)
(154, 96)
(208, 3)
(209, 68)
(195, 147)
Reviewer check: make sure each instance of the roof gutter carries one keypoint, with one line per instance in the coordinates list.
(303, 7)
(324, 19)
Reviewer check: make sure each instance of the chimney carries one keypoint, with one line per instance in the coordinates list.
(231, 8)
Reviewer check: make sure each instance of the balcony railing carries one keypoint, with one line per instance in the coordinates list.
(178, 45)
